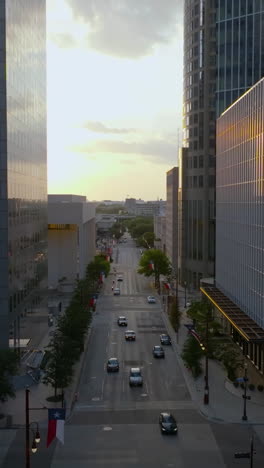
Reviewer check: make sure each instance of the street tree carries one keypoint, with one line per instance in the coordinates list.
(62, 353)
(9, 361)
(174, 313)
(154, 262)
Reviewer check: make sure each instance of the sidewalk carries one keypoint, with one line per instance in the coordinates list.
(226, 403)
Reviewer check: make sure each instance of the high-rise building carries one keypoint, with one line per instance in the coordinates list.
(172, 217)
(223, 57)
(238, 291)
(198, 160)
(240, 48)
(23, 159)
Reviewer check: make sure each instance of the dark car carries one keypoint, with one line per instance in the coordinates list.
(135, 377)
(165, 339)
(167, 423)
(112, 365)
(158, 352)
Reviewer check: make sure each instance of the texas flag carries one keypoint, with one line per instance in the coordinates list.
(167, 285)
(56, 425)
(151, 266)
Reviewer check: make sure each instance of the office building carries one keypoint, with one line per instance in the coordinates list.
(23, 174)
(71, 238)
(238, 292)
(197, 223)
(223, 57)
(240, 49)
(172, 217)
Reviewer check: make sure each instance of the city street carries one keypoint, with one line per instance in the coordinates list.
(115, 425)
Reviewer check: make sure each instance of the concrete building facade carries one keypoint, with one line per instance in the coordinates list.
(71, 237)
(172, 184)
(23, 156)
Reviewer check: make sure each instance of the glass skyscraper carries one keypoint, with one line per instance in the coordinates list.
(196, 237)
(240, 48)
(223, 57)
(23, 162)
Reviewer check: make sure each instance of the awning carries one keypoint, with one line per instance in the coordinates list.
(245, 325)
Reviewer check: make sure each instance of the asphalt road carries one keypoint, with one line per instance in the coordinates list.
(115, 425)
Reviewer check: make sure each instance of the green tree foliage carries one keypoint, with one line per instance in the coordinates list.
(139, 226)
(191, 355)
(59, 370)
(117, 230)
(9, 361)
(174, 313)
(96, 267)
(146, 240)
(160, 261)
(110, 209)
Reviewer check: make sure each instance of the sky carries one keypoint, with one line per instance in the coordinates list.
(114, 86)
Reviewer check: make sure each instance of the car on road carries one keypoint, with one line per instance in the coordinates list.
(122, 321)
(112, 365)
(130, 335)
(119, 278)
(168, 424)
(116, 292)
(158, 352)
(165, 339)
(135, 377)
(151, 300)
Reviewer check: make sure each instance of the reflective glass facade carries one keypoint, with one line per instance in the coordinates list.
(240, 203)
(240, 48)
(23, 156)
(196, 239)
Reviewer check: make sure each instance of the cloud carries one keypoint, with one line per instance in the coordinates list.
(157, 151)
(99, 127)
(128, 28)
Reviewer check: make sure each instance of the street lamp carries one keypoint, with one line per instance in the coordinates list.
(206, 386)
(245, 397)
(36, 434)
(185, 296)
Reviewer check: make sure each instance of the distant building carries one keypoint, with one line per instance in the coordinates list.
(238, 292)
(104, 222)
(23, 156)
(172, 217)
(160, 233)
(71, 237)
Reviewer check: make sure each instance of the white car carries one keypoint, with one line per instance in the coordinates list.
(116, 292)
(151, 300)
(135, 377)
(122, 321)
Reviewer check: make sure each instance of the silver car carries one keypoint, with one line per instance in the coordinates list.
(135, 377)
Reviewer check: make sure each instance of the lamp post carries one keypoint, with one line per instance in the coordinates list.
(185, 295)
(245, 397)
(36, 434)
(206, 386)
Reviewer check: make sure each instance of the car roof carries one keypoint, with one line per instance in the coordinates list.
(135, 369)
(122, 317)
(113, 359)
(130, 331)
(158, 346)
(167, 415)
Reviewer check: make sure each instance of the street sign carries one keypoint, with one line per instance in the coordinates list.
(242, 455)
(246, 397)
(189, 326)
(241, 379)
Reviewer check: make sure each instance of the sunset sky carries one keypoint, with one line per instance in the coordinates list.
(114, 96)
